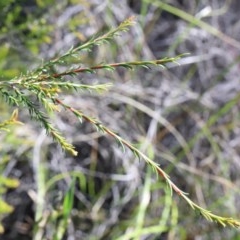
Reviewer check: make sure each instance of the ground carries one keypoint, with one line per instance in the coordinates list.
(184, 117)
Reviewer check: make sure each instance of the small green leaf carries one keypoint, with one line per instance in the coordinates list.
(68, 199)
(5, 207)
(136, 154)
(1, 229)
(4, 49)
(120, 143)
(9, 182)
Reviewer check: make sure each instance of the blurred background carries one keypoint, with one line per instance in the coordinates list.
(184, 117)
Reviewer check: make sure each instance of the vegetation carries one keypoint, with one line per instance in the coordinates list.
(43, 92)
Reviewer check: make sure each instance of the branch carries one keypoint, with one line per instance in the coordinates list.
(173, 187)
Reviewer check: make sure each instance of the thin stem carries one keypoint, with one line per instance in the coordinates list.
(205, 213)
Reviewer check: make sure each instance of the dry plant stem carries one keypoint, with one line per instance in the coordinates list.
(194, 20)
(205, 213)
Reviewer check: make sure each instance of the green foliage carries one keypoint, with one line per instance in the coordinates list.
(65, 213)
(6, 182)
(41, 91)
(24, 31)
(47, 84)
